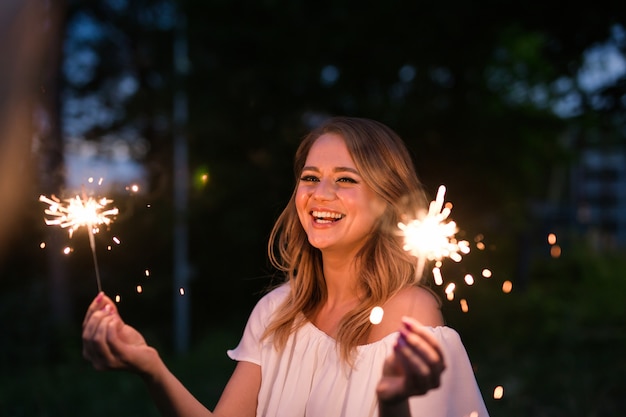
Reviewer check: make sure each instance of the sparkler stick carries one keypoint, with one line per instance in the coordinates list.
(78, 212)
(432, 235)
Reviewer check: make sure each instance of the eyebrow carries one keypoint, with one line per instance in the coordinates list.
(337, 169)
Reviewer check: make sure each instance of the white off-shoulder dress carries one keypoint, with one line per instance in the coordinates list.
(308, 378)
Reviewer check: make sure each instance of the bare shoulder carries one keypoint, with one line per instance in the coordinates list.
(417, 302)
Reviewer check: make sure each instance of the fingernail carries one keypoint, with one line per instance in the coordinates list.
(99, 297)
(407, 324)
(107, 308)
(401, 340)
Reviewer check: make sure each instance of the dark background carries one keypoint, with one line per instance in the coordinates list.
(488, 96)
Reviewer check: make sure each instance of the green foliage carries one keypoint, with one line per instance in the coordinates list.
(556, 347)
(70, 387)
(466, 111)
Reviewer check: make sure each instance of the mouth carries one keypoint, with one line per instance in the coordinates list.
(326, 217)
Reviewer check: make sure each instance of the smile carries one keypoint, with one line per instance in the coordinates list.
(326, 216)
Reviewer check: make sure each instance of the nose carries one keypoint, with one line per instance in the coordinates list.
(325, 190)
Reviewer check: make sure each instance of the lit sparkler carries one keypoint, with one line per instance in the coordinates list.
(77, 212)
(431, 237)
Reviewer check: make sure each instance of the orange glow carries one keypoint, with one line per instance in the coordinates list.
(437, 276)
(450, 291)
(555, 251)
(498, 392)
(139, 289)
(552, 238)
(464, 306)
(507, 286)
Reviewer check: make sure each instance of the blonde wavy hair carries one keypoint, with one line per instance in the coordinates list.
(385, 165)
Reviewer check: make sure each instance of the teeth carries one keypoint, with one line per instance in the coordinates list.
(326, 215)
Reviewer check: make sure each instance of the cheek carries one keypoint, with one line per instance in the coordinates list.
(301, 200)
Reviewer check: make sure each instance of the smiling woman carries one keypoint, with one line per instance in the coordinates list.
(310, 346)
(334, 204)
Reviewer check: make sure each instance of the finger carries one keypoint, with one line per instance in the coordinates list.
(94, 333)
(411, 360)
(104, 357)
(93, 320)
(413, 325)
(419, 347)
(419, 378)
(419, 354)
(424, 340)
(96, 304)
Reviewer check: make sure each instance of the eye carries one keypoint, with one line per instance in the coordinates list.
(348, 180)
(309, 178)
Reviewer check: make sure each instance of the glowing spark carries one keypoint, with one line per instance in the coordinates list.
(147, 272)
(486, 273)
(42, 245)
(118, 298)
(376, 316)
(450, 291)
(181, 291)
(469, 279)
(116, 240)
(78, 212)
(139, 289)
(437, 276)
(432, 236)
(552, 239)
(464, 306)
(507, 287)
(498, 392)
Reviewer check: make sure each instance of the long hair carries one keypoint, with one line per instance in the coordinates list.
(385, 165)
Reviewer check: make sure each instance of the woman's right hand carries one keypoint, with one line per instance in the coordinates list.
(109, 343)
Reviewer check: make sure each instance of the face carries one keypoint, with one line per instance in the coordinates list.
(335, 206)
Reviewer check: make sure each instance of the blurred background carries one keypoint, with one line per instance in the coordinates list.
(187, 113)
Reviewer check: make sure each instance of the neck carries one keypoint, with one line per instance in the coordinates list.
(341, 278)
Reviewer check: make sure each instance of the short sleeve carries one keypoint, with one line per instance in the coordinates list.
(249, 347)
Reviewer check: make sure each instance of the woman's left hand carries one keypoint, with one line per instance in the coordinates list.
(414, 367)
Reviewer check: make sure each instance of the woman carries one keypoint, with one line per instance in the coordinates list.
(309, 348)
